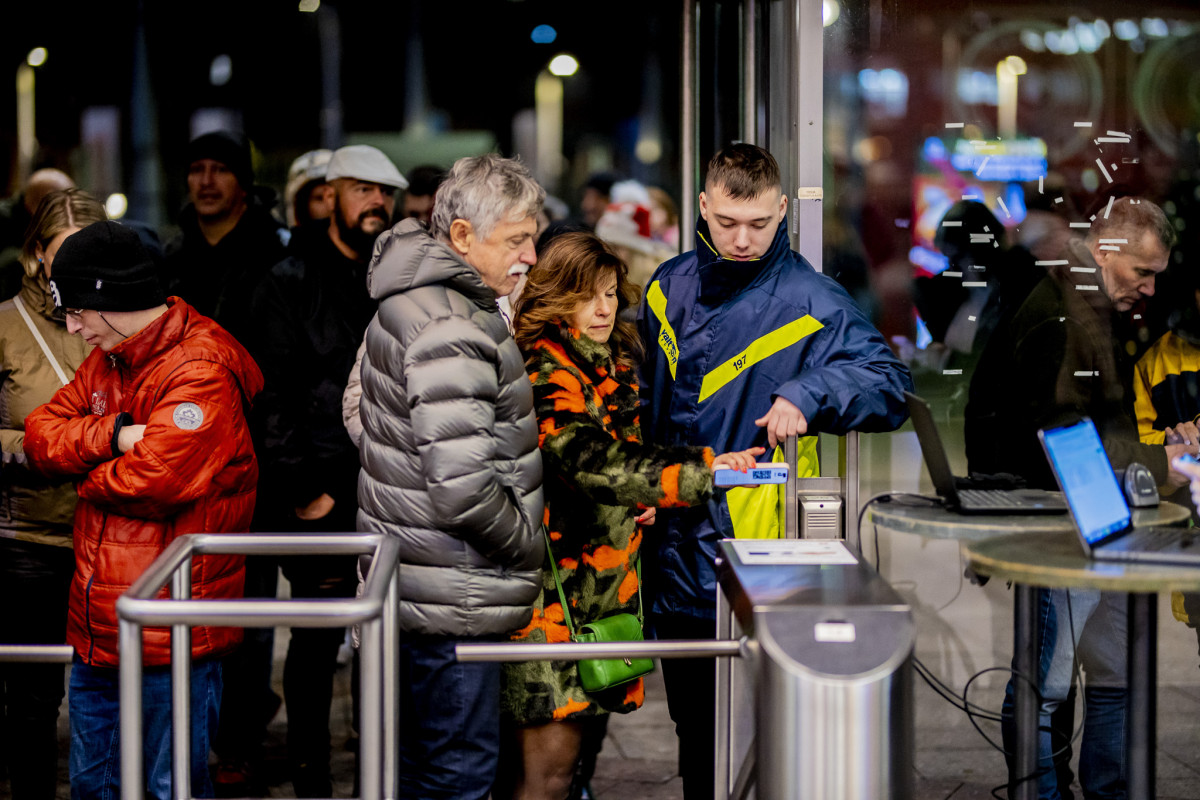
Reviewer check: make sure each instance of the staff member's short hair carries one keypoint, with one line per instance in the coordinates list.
(744, 171)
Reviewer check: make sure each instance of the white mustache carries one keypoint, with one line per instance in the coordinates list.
(518, 269)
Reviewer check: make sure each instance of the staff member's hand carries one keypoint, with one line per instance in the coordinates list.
(783, 420)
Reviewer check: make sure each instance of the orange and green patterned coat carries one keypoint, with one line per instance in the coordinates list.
(599, 476)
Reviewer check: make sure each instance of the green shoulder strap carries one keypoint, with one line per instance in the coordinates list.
(562, 596)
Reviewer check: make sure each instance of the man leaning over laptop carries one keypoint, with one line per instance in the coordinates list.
(1054, 360)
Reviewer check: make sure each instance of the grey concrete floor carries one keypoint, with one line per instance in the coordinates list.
(962, 630)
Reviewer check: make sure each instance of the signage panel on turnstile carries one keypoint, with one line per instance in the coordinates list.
(792, 551)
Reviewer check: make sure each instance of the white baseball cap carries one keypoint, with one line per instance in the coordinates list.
(364, 163)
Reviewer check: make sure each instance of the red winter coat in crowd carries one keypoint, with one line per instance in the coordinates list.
(190, 383)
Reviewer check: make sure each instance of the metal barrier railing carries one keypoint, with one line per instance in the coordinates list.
(377, 610)
(841, 704)
(720, 649)
(572, 651)
(36, 653)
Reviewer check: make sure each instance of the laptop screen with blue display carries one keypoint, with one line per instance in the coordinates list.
(1087, 480)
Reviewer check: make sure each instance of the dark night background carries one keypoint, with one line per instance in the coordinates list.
(480, 67)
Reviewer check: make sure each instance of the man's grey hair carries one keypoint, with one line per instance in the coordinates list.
(1130, 218)
(485, 191)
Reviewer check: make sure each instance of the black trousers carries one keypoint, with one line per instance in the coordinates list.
(308, 671)
(691, 701)
(35, 580)
(247, 701)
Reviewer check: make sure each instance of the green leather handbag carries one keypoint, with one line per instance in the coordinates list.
(597, 674)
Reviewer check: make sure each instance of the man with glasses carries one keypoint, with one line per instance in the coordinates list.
(153, 431)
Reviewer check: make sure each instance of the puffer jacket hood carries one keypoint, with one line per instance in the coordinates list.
(407, 257)
(449, 454)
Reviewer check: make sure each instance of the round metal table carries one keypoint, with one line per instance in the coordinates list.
(1055, 560)
(1042, 550)
(938, 522)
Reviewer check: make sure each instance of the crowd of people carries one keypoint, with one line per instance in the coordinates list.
(534, 407)
(534, 410)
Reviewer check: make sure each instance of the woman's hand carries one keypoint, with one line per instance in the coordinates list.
(741, 460)
(646, 517)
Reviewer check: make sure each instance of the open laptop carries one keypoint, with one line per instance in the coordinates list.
(972, 501)
(1102, 517)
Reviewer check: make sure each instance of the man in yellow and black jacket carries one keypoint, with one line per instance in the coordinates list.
(1166, 390)
(746, 344)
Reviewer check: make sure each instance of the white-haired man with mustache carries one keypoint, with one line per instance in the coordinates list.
(451, 465)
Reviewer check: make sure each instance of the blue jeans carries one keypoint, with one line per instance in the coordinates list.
(94, 707)
(449, 721)
(1088, 626)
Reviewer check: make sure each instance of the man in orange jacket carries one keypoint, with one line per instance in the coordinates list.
(153, 430)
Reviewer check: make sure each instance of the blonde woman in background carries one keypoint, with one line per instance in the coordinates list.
(37, 356)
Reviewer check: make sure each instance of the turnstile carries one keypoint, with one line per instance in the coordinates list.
(827, 682)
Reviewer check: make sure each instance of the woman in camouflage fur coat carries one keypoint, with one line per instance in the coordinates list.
(601, 484)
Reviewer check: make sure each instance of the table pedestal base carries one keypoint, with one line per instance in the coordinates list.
(1141, 737)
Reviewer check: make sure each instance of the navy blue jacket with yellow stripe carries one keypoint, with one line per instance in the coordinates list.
(723, 340)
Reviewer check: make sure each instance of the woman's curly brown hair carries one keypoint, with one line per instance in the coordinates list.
(565, 278)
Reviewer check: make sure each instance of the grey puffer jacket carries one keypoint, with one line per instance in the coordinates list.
(450, 462)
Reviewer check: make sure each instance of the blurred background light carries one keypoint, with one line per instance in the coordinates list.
(221, 70)
(830, 11)
(563, 65)
(1155, 27)
(115, 205)
(543, 34)
(1033, 41)
(36, 57)
(1125, 29)
(648, 151)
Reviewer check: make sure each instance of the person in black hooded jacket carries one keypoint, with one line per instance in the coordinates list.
(229, 238)
(309, 316)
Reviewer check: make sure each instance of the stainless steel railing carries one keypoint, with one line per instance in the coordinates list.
(377, 610)
(572, 651)
(37, 653)
(720, 649)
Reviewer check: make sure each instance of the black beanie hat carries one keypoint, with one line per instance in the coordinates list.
(231, 149)
(104, 267)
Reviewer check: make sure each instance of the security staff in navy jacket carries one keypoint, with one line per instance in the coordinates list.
(746, 344)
